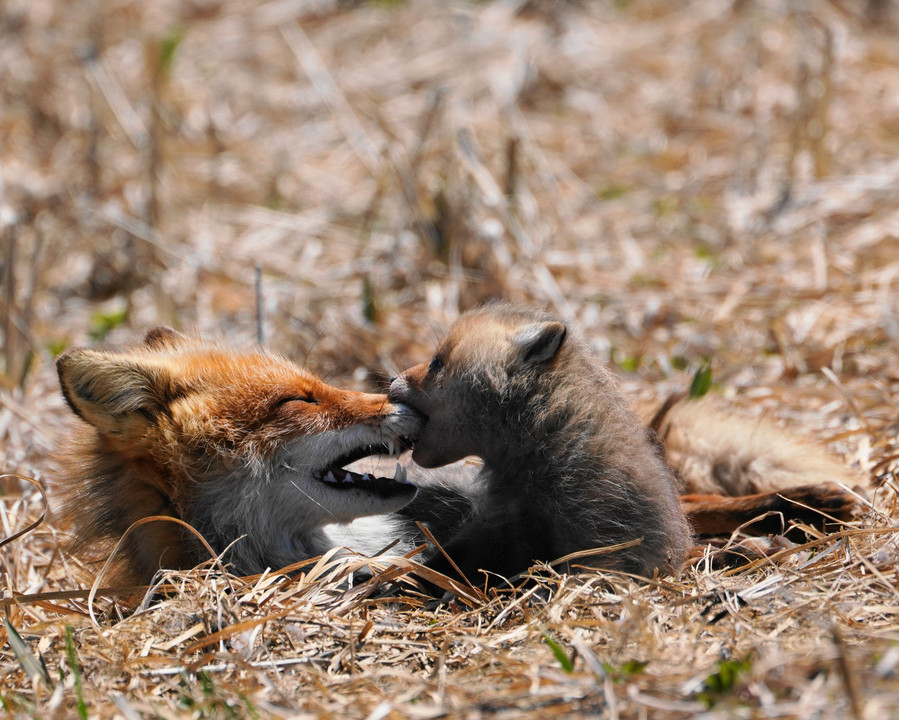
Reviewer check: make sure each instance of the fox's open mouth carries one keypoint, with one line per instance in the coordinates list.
(336, 476)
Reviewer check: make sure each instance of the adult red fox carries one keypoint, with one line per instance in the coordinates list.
(246, 447)
(568, 466)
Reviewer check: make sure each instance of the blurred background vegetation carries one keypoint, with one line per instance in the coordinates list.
(693, 182)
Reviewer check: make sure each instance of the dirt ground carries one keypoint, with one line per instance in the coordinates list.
(689, 184)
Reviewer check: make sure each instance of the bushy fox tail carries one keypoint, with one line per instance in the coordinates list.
(749, 473)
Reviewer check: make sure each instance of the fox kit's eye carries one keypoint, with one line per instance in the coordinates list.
(435, 365)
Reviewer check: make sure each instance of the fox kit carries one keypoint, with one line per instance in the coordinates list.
(568, 466)
(246, 447)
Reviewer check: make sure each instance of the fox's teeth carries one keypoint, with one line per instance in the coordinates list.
(400, 473)
(366, 477)
(329, 477)
(391, 449)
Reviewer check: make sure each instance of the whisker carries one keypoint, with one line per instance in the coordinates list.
(316, 502)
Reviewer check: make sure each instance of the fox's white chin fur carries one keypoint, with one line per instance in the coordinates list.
(369, 536)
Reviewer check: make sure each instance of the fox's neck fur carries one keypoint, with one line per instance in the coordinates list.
(234, 511)
(93, 495)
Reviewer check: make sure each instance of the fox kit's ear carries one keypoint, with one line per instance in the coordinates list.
(163, 337)
(110, 390)
(537, 343)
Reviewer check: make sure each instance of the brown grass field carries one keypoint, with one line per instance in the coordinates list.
(713, 181)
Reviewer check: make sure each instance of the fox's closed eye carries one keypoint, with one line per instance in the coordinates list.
(296, 398)
(435, 365)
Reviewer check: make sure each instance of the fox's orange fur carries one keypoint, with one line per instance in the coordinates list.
(238, 444)
(732, 470)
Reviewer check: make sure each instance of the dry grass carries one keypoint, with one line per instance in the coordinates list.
(684, 181)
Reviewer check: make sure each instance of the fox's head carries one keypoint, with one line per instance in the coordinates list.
(241, 442)
(482, 382)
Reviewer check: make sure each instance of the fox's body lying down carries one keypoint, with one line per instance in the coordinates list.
(252, 451)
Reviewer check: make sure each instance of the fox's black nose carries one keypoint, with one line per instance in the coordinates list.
(397, 389)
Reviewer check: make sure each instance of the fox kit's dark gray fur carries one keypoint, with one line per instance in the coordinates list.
(568, 466)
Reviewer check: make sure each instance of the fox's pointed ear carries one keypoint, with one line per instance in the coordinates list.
(163, 337)
(538, 343)
(110, 390)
